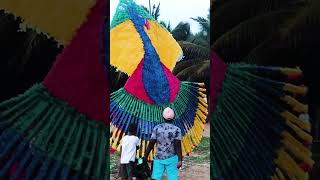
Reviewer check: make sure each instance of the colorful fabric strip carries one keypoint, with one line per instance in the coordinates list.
(256, 132)
(190, 112)
(57, 130)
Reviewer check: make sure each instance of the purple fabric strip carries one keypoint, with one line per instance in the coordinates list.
(218, 70)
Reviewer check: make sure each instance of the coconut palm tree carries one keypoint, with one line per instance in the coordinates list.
(202, 37)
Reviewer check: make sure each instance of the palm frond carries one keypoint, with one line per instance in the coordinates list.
(230, 13)
(235, 44)
(191, 50)
(180, 66)
(181, 32)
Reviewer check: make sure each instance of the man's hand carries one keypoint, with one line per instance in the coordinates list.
(179, 164)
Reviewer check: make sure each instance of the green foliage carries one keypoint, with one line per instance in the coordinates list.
(114, 163)
(181, 32)
(192, 51)
(202, 37)
(167, 26)
(117, 80)
(156, 11)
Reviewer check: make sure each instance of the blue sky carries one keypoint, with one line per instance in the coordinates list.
(175, 11)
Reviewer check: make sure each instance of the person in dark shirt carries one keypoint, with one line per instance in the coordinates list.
(167, 138)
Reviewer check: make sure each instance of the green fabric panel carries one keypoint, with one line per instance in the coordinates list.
(121, 15)
(187, 92)
(59, 130)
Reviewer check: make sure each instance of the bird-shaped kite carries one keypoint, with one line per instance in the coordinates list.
(58, 129)
(259, 124)
(147, 52)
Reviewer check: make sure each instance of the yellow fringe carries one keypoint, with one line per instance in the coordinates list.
(274, 177)
(57, 18)
(291, 71)
(294, 119)
(202, 95)
(302, 134)
(143, 147)
(295, 89)
(289, 166)
(279, 174)
(296, 105)
(194, 135)
(297, 149)
(201, 84)
(202, 89)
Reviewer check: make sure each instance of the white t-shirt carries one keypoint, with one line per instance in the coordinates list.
(129, 146)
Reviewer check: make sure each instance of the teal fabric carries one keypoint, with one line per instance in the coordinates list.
(170, 165)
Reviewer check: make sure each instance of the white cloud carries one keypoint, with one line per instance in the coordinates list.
(175, 11)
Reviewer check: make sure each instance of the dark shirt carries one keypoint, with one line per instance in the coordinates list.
(165, 134)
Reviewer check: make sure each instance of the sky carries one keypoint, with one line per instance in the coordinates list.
(175, 11)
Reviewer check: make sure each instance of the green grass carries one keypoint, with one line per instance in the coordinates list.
(200, 154)
(114, 163)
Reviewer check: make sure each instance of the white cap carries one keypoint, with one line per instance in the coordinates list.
(168, 113)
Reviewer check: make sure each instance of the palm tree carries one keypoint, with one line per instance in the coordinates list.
(118, 79)
(154, 12)
(181, 32)
(202, 37)
(166, 25)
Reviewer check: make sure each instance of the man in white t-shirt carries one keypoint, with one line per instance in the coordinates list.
(129, 146)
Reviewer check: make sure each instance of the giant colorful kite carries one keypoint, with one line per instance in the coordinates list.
(58, 129)
(147, 52)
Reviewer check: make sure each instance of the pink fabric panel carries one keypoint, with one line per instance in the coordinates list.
(78, 76)
(218, 70)
(14, 169)
(174, 83)
(135, 87)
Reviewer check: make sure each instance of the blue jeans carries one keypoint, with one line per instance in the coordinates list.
(170, 165)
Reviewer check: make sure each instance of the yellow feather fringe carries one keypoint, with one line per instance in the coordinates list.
(294, 119)
(289, 166)
(291, 71)
(298, 150)
(295, 89)
(296, 105)
(279, 174)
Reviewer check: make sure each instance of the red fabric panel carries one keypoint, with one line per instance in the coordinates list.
(135, 87)
(218, 70)
(78, 76)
